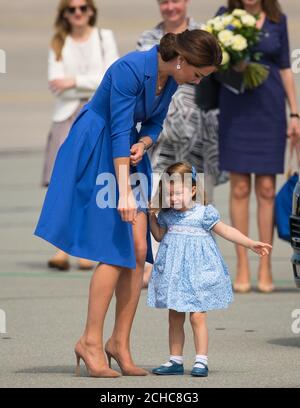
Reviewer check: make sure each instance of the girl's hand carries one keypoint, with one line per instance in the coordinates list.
(127, 207)
(59, 85)
(151, 210)
(260, 248)
(137, 152)
(294, 131)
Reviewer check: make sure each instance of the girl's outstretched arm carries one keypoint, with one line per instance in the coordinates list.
(234, 235)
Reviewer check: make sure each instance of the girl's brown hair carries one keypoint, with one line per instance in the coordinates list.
(199, 48)
(180, 170)
(63, 27)
(272, 8)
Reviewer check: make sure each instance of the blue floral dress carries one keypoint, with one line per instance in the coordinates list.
(189, 273)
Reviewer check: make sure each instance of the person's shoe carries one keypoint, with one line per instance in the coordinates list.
(172, 369)
(62, 265)
(241, 287)
(85, 264)
(128, 370)
(199, 370)
(265, 288)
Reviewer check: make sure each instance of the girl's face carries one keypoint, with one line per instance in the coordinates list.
(251, 3)
(189, 74)
(78, 13)
(173, 11)
(180, 196)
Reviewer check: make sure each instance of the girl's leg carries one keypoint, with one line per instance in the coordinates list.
(239, 212)
(128, 292)
(176, 332)
(90, 345)
(198, 322)
(265, 192)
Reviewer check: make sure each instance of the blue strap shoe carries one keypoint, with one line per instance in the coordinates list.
(199, 370)
(172, 369)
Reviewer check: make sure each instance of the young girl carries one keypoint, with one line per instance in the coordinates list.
(189, 273)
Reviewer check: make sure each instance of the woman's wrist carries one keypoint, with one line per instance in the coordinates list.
(294, 115)
(146, 145)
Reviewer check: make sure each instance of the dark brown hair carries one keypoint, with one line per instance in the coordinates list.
(272, 8)
(199, 48)
(63, 28)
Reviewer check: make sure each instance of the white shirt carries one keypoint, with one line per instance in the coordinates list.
(87, 62)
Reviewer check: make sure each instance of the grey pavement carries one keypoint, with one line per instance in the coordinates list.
(251, 344)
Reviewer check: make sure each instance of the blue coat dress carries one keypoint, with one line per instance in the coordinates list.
(105, 128)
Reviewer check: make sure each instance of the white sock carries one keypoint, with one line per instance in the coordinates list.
(200, 361)
(177, 359)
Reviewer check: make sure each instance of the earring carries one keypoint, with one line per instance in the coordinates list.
(178, 66)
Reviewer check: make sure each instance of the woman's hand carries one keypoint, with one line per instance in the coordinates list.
(60, 85)
(294, 131)
(260, 248)
(137, 152)
(127, 207)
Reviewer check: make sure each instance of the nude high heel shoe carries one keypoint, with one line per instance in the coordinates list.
(104, 372)
(129, 371)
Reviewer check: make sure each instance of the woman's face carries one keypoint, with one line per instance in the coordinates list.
(78, 13)
(173, 11)
(251, 3)
(189, 74)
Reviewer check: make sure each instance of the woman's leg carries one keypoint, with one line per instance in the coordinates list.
(128, 292)
(90, 346)
(265, 192)
(239, 211)
(200, 331)
(176, 332)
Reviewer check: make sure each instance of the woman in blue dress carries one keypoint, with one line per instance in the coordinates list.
(89, 215)
(253, 132)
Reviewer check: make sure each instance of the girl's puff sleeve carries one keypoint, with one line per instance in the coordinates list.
(211, 217)
(161, 219)
(125, 86)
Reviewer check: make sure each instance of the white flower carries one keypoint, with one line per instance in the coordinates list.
(225, 58)
(239, 43)
(218, 23)
(248, 20)
(239, 12)
(227, 20)
(225, 37)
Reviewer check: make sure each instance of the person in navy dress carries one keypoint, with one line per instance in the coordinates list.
(253, 132)
(104, 141)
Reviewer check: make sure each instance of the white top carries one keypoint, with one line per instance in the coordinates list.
(87, 62)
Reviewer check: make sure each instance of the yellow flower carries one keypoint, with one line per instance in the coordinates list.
(207, 28)
(225, 57)
(236, 23)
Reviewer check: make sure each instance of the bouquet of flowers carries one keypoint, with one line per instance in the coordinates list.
(238, 34)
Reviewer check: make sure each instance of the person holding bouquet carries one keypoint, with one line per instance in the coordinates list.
(254, 128)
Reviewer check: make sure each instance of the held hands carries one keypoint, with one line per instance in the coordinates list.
(260, 248)
(127, 207)
(294, 131)
(60, 85)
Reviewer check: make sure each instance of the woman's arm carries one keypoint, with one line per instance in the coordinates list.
(157, 231)
(234, 235)
(290, 90)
